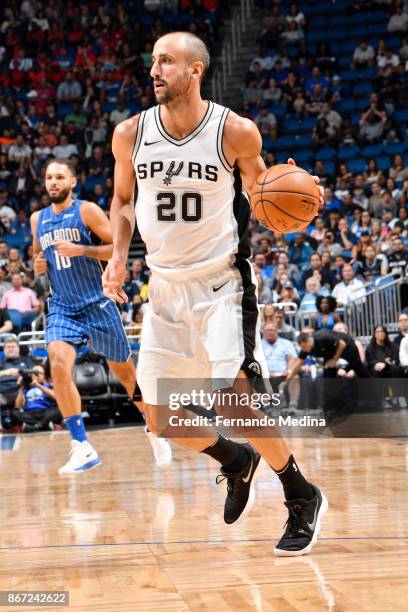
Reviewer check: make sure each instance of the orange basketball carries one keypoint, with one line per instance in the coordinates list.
(286, 198)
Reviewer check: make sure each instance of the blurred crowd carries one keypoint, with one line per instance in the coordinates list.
(69, 73)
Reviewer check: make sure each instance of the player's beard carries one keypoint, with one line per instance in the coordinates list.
(57, 199)
(173, 92)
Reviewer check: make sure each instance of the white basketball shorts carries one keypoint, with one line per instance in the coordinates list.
(201, 328)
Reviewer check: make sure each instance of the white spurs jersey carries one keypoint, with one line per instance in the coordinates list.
(190, 210)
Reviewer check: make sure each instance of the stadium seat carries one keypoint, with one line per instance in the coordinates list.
(302, 141)
(361, 104)
(395, 148)
(330, 166)
(347, 152)
(367, 73)
(362, 89)
(282, 156)
(303, 157)
(284, 142)
(308, 124)
(371, 151)
(267, 143)
(383, 163)
(291, 126)
(356, 165)
(400, 116)
(349, 75)
(346, 106)
(325, 154)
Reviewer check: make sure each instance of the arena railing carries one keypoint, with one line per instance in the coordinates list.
(231, 45)
(381, 305)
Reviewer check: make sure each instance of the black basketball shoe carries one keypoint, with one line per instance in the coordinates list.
(302, 526)
(238, 486)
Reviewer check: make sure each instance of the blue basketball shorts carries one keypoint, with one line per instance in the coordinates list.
(100, 323)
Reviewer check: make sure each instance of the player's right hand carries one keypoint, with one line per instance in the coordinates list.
(113, 279)
(40, 264)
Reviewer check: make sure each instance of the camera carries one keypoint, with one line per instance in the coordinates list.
(26, 377)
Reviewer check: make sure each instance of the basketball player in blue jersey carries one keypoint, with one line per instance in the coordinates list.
(192, 159)
(63, 241)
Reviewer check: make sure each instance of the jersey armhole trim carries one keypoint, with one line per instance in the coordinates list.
(139, 133)
(220, 134)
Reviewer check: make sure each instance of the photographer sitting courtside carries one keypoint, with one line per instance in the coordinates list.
(10, 365)
(35, 403)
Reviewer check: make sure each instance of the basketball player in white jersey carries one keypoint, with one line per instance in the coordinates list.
(192, 159)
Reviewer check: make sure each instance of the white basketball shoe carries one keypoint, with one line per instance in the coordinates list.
(82, 457)
(161, 448)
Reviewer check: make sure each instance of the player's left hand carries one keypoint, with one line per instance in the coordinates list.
(317, 181)
(65, 248)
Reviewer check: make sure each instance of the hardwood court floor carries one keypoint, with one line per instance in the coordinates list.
(130, 536)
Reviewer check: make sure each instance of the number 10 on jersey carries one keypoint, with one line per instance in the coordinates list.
(61, 261)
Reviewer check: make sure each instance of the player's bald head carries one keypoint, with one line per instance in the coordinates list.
(191, 45)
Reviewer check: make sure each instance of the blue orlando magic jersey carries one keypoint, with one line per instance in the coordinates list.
(75, 281)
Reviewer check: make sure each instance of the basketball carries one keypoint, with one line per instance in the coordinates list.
(286, 199)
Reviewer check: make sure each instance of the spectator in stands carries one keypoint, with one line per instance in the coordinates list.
(295, 15)
(387, 63)
(256, 77)
(120, 113)
(403, 328)
(318, 230)
(315, 265)
(332, 117)
(322, 136)
(316, 78)
(315, 100)
(327, 317)
(403, 356)
(264, 60)
(398, 21)
(284, 329)
(20, 151)
(294, 34)
(300, 250)
(5, 285)
(308, 303)
(69, 90)
(64, 149)
(289, 294)
(273, 93)
(376, 200)
(398, 170)
(280, 355)
(291, 268)
(299, 104)
(266, 122)
(264, 293)
(373, 264)
(398, 258)
(346, 238)
(330, 245)
(364, 55)
(372, 125)
(372, 174)
(331, 202)
(382, 355)
(21, 304)
(35, 402)
(350, 288)
(33, 283)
